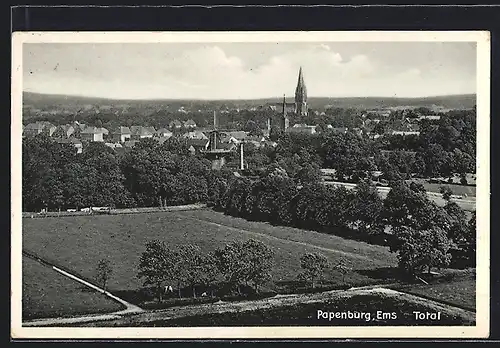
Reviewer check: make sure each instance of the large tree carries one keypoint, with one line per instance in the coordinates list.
(313, 267)
(157, 265)
(420, 250)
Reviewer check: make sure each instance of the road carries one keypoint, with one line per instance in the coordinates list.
(468, 203)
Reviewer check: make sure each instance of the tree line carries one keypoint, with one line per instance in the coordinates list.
(223, 271)
(422, 233)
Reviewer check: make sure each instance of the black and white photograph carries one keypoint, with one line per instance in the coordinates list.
(250, 184)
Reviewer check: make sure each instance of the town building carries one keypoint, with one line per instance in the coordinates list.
(163, 133)
(121, 134)
(92, 134)
(140, 132)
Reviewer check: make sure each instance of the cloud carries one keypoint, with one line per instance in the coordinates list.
(211, 72)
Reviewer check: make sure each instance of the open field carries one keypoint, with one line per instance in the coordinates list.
(459, 190)
(468, 204)
(78, 242)
(302, 310)
(47, 293)
(460, 291)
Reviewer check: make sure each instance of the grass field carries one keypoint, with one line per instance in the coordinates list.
(78, 243)
(470, 191)
(47, 293)
(459, 290)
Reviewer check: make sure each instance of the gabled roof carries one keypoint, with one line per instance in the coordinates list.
(238, 135)
(226, 146)
(36, 125)
(92, 130)
(163, 130)
(198, 142)
(122, 130)
(141, 131)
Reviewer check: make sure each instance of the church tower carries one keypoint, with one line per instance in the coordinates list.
(301, 96)
(285, 122)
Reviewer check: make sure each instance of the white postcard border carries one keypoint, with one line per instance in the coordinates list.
(482, 38)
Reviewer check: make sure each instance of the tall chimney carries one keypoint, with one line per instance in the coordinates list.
(242, 166)
(269, 125)
(215, 119)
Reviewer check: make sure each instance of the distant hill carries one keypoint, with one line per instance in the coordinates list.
(464, 101)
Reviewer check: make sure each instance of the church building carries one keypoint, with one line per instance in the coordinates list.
(298, 108)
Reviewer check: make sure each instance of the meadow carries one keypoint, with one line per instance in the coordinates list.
(47, 293)
(78, 242)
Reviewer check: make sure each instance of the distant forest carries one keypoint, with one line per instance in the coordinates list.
(464, 101)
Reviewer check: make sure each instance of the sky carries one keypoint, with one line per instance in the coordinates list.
(249, 70)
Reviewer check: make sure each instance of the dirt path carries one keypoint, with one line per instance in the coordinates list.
(129, 308)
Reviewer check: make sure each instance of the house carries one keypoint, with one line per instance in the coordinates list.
(163, 132)
(33, 129)
(195, 135)
(227, 146)
(302, 128)
(151, 129)
(255, 140)
(195, 145)
(103, 130)
(121, 134)
(175, 124)
(236, 136)
(139, 132)
(91, 134)
(73, 141)
(190, 124)
(65, 131)
(48, 128)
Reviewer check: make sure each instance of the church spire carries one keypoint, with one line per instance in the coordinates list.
(301, 95)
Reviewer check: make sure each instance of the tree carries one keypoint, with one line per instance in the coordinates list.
(309, 173)
(249, 261)
(156, 265)
(103, 272)
(342, 267)
(190, 266)
(446, 192)
(258, 258)
(421, 249)
(209, 272)
(313, 267)
(230, 263)
(366, 207)
(253, 128)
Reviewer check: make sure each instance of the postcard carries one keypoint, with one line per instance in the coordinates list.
(260, 185)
